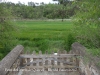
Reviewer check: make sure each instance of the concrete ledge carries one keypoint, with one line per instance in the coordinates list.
(77, 48)
(87, 68)
(10, 58)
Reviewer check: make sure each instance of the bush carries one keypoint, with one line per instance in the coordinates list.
(1, 56)
(42, 45)
(5, 27)
(69, 41)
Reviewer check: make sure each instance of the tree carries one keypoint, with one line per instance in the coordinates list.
(5, 27)
(87, 23)
(31, 4)
(63, 11)
(87, 18)
(42, 3)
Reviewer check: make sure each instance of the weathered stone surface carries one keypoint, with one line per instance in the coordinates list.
(50, 73)
(9, 59)
(87, 68)
(77, 48)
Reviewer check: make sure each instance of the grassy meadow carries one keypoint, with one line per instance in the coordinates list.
(44, 35)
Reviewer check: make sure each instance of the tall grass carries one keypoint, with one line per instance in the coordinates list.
(44, 35)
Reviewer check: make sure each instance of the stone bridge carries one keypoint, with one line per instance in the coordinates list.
(61, 63)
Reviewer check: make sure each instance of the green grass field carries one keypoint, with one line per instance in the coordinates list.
(43, 29)
(43, 35)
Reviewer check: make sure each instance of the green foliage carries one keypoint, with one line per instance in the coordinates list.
(1, 55)
(51, 11)
(5, 27)
(42, 45)
(87, 19)
(94, 52)
(69, 41)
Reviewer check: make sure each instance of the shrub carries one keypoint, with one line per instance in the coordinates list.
(69, 41)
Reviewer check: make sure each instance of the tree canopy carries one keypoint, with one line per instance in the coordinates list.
(5, 26)
(88, 19)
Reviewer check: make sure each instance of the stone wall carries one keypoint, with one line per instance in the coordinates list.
(84, 68)
(9, 59)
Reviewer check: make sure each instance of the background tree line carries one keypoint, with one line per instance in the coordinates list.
(35, 11)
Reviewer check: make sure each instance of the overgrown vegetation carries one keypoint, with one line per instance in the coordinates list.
(88, 20)
(5, 26)
(45, 35)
